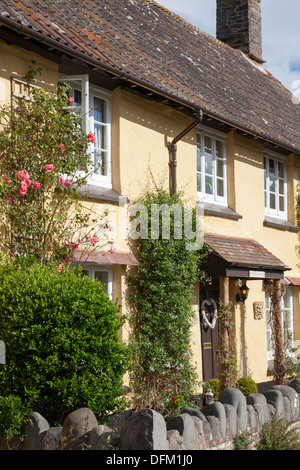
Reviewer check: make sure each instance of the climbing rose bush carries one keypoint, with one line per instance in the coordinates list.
(45, 160)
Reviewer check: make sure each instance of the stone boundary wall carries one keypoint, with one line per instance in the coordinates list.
(212, 427)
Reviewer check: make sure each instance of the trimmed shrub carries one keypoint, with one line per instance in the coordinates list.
(246, 385)
(13, 414)
(62, 340)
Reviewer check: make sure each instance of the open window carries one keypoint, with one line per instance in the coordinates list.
(94, 105)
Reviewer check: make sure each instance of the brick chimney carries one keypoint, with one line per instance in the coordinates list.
(239, 26)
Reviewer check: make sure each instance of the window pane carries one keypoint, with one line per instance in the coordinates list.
(208, 165)
(208, 185)
(102, 276)
(280, 170)
(219, 149)
(99, 110)
(100, 166)
(220, 188)
(207, 145)
(271, 166)
(281, 187)
(272, 201)
(220, 168)
(272, 183)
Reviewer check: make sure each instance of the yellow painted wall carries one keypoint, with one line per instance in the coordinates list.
(15, 62)
(141, 130)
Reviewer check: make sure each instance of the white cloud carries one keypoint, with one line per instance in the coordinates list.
(280, 25)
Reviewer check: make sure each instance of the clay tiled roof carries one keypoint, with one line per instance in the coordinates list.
(105, 257)
(143, 42)
(242, 252)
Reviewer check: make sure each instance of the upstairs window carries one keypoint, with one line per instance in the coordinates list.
(275, 187)
(211, 169)
(94, 105)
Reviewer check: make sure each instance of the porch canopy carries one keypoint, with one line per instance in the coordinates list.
(242, 258)
(106, 258)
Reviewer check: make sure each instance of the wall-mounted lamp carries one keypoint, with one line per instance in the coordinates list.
(243, 294)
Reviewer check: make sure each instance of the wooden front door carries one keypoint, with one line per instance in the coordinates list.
(209, 301)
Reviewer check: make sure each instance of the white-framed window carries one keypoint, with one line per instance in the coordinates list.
(275, 186)
(94, 105)
(101, 274)
(287, 319)
(211, 168)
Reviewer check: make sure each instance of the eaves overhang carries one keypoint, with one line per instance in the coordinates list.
(147, 88)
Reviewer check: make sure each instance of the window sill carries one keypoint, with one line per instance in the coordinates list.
(220, 211)
(103, 194)
(280, 224)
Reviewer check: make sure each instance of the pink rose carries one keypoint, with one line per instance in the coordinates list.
(62, 147)
(9, 200)
(36, 185)
(67, 261)
(91, 137)
(22, 175)
(68, 184)
(28, 182)
(23, 186)
(22, 192)
(59, 268)
(61, 180)
(49, 168)
(4, 177)
(74, 247)
(111, 229)
(94, 240)
(61, 221)
(112, 249)
(88, 236)
(71, 100)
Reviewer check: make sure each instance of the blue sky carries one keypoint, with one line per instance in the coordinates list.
(280, 26)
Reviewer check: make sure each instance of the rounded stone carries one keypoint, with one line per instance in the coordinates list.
(75, 428)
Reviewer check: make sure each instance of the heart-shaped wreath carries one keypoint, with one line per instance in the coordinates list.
(213, 322)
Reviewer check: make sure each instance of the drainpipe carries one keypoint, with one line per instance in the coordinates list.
(173, 150)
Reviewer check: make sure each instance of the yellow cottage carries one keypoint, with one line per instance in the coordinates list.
(194, 113)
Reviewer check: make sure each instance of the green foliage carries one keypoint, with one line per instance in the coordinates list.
(161, 317)
(278, 435)
(44, 161)
(214, 385)
(246, 385)
(242, 441)
(62, 341)
(13, 415)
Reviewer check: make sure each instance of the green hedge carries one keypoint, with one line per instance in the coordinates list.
(62, 342)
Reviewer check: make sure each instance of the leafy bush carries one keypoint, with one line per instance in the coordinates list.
(13, 415)
(246, 385)
(62, 340)
(278, 435)
(162, 314)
